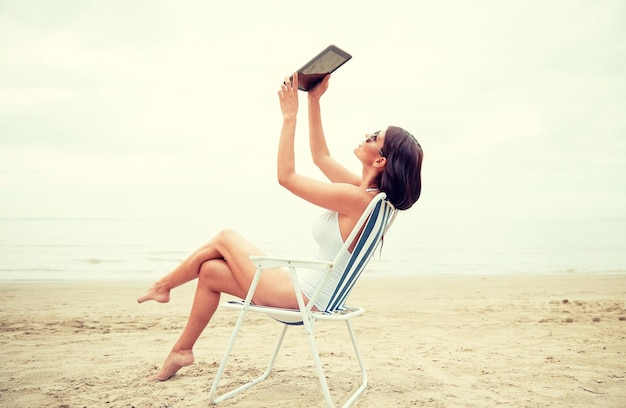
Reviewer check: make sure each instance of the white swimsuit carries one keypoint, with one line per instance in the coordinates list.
(327, 234)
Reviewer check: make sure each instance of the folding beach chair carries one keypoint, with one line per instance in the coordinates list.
(368, 233)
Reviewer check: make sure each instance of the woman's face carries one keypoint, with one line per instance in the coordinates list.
(372, 147)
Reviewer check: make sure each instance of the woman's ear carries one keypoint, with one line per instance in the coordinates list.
(380, 162)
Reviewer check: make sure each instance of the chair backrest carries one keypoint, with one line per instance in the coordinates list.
(368, 233)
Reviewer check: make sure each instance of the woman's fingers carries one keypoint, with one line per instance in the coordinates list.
(288, 95)
(295, 80)
(291, 83)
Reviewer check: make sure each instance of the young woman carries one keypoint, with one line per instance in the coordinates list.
(391, 162)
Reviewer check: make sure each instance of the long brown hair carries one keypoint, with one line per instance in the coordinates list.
(401, 179)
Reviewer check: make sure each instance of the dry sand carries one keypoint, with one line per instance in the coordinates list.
(456, 341)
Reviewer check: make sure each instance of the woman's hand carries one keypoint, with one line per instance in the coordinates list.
(288, 96)
(319, 89)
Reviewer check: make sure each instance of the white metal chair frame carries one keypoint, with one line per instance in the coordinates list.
(370, 229)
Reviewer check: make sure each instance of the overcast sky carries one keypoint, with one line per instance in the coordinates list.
(120, 108)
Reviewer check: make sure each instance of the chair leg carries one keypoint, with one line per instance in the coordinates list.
(320, 371)
(363, 386)
(308, 328)
(218, 376)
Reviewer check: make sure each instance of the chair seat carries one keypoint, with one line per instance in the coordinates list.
(294, 316)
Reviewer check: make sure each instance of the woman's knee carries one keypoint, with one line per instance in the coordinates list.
(216, 276)
(210, 270)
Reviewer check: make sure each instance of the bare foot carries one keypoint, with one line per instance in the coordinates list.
(174, 362)
(156, 293)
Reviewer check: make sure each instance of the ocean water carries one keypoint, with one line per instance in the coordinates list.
(146, 248)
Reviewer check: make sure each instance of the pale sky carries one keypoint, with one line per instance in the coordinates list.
(125, 108)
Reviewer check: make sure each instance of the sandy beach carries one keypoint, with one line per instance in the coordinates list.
(454, 341)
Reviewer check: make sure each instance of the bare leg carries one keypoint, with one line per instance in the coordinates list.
(232, 274)
(274, 288)
(187, 271)
(204, 305)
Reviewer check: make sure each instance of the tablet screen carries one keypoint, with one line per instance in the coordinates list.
(323, 64)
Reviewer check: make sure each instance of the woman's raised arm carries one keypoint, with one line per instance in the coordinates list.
(331, 168)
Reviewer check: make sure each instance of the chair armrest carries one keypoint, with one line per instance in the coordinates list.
(266, 262)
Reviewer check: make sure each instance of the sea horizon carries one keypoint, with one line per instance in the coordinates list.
(134, 248)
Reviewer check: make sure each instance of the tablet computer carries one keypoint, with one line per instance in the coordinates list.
(321, 65)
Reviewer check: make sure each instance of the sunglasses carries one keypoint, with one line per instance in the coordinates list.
(372, 138)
